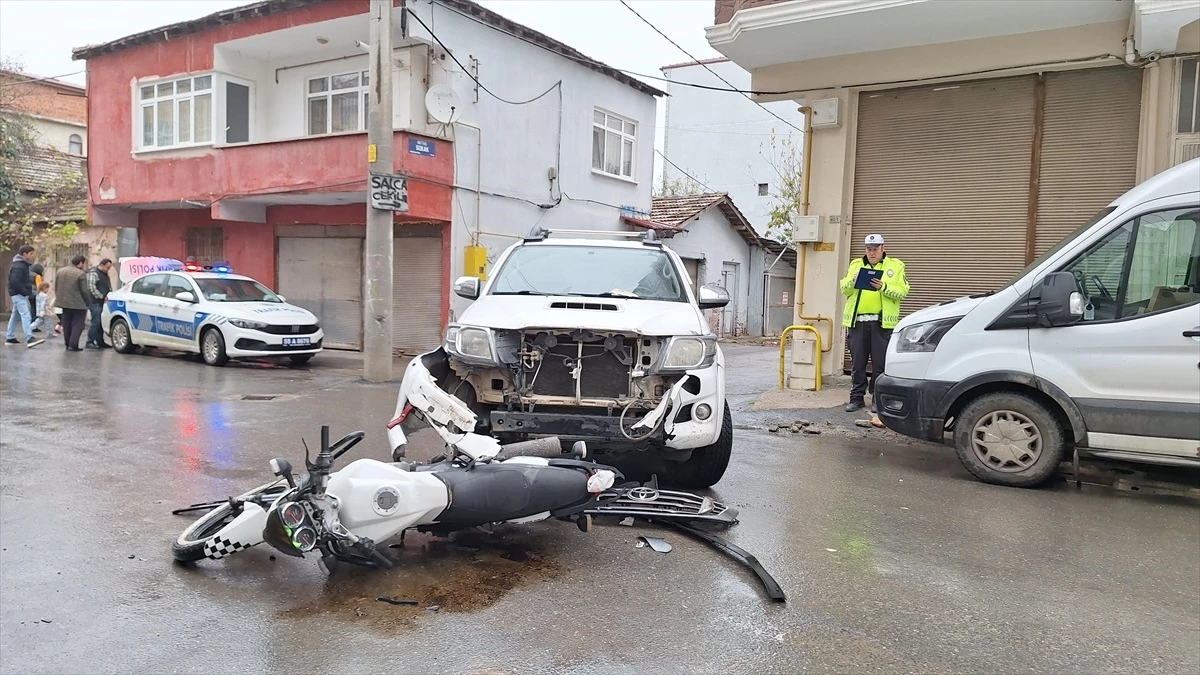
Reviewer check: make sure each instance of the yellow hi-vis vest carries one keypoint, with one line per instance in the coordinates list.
(895, 289)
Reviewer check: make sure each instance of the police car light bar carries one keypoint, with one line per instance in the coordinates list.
(220, 267)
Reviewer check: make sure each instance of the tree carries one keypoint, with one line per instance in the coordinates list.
(42, 216)
(787, 162)
(678, 187)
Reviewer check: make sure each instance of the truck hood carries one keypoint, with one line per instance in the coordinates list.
(645, 317)
(959, 306)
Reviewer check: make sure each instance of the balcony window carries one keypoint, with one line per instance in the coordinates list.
(1188, 118)
(176, 112)
(337, 103)
(614, 141)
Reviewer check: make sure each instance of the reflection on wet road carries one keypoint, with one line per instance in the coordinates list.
(892, 557)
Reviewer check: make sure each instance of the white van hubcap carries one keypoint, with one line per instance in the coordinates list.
(1006, 441)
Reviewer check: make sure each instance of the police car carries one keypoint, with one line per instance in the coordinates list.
(205, 309)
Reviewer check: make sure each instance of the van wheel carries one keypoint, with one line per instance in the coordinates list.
(1009, 439)
(707, 465)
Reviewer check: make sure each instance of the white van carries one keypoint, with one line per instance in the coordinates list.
(1095, 346)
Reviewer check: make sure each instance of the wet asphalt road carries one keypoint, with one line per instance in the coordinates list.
(893, 558)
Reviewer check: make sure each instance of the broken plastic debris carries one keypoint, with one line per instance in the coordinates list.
(628, 521)
(863, 423)
(396, 601)
(657, 543)
(831, 550)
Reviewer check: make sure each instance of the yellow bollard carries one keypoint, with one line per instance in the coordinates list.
(783, 350)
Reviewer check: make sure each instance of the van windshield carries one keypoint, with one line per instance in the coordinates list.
(1062, 242)
(642, 273)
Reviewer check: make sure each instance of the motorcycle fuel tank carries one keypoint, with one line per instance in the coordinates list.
(380, 500)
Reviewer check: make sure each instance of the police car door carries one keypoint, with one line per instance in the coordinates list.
(175, 320)
(141, 306)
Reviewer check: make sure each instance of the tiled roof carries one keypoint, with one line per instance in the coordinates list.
(46, 169)
(677, 210)
(268, 7)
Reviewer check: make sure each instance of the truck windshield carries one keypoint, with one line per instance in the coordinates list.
(1061, 243)
(235, 290)
(647, 274)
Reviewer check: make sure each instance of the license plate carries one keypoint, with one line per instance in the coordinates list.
(296, 341)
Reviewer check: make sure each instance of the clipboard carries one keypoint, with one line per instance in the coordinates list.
(865, 275)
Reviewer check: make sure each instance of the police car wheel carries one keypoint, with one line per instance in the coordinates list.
(120, 337)
(212, 347)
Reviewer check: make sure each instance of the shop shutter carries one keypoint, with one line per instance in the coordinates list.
(1089, 147)
(417, 294)
(324, 276)
(943, 174)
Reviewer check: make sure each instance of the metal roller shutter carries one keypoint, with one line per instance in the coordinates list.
(1089, 147)
(943, 174)
(324, 276)
(417, 294)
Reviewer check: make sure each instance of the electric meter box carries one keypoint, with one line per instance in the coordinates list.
(806, 229)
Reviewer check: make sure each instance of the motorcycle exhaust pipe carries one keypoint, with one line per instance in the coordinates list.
(542, 447)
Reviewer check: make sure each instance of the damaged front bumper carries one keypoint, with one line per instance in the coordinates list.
(689, 414)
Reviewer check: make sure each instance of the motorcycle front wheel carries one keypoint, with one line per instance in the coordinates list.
(189, 547)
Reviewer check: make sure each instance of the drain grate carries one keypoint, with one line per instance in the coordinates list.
(259, 397)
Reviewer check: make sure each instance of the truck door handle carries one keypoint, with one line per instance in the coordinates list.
(1191, 333)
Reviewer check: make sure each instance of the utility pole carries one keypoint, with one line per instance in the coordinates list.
(378, 253)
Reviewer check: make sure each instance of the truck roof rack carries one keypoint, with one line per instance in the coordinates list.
(539, 233)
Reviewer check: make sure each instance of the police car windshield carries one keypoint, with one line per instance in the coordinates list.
(641, 273)
(235, 290)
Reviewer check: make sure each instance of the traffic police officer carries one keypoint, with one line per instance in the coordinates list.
(870, 315)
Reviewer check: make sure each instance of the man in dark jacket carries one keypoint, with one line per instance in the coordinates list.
(97, 286)
(20, 287)
(70, 295)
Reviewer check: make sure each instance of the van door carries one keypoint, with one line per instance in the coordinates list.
(1132, 365)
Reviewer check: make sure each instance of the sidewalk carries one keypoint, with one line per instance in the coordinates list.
(786, 411)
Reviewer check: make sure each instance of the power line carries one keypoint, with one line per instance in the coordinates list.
(695, 180)
(668, 39)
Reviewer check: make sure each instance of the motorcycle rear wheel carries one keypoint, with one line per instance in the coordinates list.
(189, 547)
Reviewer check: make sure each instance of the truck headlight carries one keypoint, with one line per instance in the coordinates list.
(470, 343)
(924, 337)
(689, 353)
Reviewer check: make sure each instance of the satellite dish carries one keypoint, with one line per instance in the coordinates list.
(443, 104)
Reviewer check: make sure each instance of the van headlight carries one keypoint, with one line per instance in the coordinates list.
(470, 343)
(924, 337)
(689, 353)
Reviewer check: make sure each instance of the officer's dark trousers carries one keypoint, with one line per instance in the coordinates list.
(867, 340)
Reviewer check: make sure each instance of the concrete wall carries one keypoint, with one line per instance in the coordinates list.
(57, 134)
(520, 144)
(710, 237)
(725, 140)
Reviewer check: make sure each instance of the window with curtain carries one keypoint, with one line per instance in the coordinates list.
(337, 103)
(176, 112)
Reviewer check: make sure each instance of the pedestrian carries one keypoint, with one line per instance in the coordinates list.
(97, 286)
(35, 270)
(20, 287)
(70, 294)
(870, 315)
(45, 315)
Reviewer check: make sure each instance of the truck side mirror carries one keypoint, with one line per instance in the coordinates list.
(1059, 301)
(712, 296)
(467, 287)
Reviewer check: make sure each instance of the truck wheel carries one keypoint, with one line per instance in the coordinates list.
(706, 465)
(1009, 439)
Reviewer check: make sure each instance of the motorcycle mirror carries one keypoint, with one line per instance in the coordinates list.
(579, 449)
(283, 468)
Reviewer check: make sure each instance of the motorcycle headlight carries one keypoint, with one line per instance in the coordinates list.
(924, 337)
(248, 325)
(688, 353)
(470, 342)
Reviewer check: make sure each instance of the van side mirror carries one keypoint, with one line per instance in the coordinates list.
(1059, 301)
(712, 296)
(467, 287)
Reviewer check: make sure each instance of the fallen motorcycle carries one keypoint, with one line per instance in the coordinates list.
(343, 514)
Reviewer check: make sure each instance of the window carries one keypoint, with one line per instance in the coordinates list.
(206, 244)
(237, 112)
(1149, 264)
(337, 103)
(75, 144)
(61, 254)
(614, 140)
(177, 284)
(148, 285)
(762, 190)
(176, 112)
(593, 272)
(1189, 96)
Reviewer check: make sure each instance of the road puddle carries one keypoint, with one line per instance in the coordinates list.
(467, 571)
